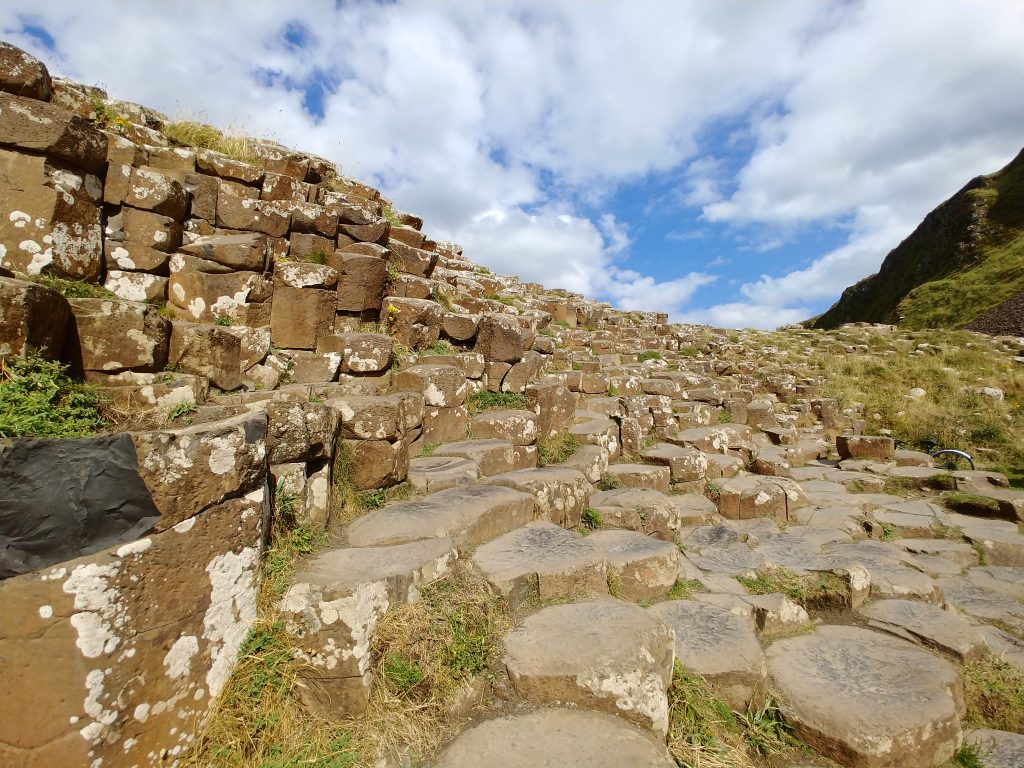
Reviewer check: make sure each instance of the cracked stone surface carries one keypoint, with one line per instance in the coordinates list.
(868, 699)
(603, 654)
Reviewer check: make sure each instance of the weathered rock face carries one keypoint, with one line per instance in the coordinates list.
(124, 649)
(50, 218)
(602, 654)
(561, 737)
(23, 74)
(189, 470)
(118, 335)
(867, 699)
(32, 317)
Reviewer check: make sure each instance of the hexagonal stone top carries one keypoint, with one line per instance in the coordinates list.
(555, 738)
(868, 699)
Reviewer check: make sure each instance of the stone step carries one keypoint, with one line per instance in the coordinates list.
(719, 645)
(555, 737)
(560, 494)
(865, 698)
(542, 561)
(639, 567)
(492, 456)
(641, 476)
(685, 464)
(651, 512)
(591, 460)
(997, 749)
(518, 427)
(926, 625)
(470, 514)
(429, 474)
(335, 602)
(603, 654)
(751, 496)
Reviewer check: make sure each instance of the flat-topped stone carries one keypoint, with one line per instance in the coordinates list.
(927, 625)
(752, 496)
(867, 699)
(492, 456)
(641, 476)
(542, 560)
(471, 514)
(639, 567)
(603, 654)
(718, 645)
(560, 493)
(685, 464)
(335, 602)
(651, 512)
(559, 738)
(429, 474)
(997, 749)
(518, 427)
(983, 602)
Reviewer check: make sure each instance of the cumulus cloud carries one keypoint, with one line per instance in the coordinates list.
(510, 125)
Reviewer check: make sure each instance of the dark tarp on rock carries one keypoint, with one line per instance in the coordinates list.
(61, 499)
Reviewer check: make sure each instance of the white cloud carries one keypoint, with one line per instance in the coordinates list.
(746, 315)
(501, 123)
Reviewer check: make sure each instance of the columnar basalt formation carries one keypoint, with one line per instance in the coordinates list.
(280, 331)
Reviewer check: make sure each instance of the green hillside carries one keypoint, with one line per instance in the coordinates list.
(965, 258)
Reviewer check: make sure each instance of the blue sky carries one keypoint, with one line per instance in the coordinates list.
(737, 163)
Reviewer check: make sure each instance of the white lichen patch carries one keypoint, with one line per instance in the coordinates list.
(100, 613)
(135, 547)
(179, 658)
(223, 451)
(185, 525)
(232, 611)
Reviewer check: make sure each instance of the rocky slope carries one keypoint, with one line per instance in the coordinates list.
(964, 259)
(659, 517)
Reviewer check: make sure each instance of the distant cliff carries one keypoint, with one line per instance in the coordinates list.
(964, 260)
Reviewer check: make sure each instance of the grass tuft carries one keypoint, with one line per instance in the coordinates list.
(814, 590)
(38, 399)
(705, 733)
(554, 449)
(994, 694)
(485, 400)
(194, 134)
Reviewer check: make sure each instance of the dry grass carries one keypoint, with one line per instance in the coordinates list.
(431, 656)
(554, 449)
(994, 694)
(705, 733)
(257, 720)
(194, 134)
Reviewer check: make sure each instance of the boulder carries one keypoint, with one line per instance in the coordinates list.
(868, 699)
(112, 335)
(602, 655)
(49, 217)
(32, 317)
(207, 350)
(23, 74)
(557, 737)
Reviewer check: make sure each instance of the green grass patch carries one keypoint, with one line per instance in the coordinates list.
(554, 449)
(684, 589)
(439, 347)
(972, 504)
(814, 590)
(72, 289)
(705, 733)
(608, 483)
(994, 694)
(39, 399)
(485, 400)
(651, 354)
(591, 519)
